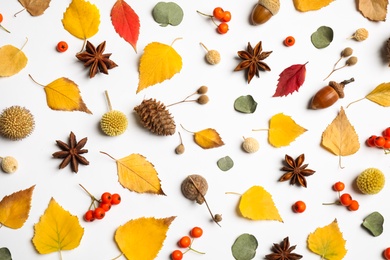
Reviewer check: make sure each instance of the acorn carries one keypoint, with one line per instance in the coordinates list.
(328, 95)
(264, 10)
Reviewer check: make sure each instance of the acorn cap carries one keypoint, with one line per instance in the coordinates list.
(339, 88)
(272, 5)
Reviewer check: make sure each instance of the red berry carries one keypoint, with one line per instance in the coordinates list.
(105, 206)
(371, 141)
(184, 242)
(386, 145)
(345, 199)
(299, 206)
(289, 41)
(339, 186)
(379, 141)
(218, 13)
(62, 46)
(223, 28)
(227, 16)
(196, 232)
(386, 132)
(115, 199)
(354, 205)
(89, 216)
(386, 253)
(106, 197)
(177, 255)
(1, 18)
(99, 213)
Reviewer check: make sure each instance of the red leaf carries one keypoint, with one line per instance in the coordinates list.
(126, 22)
(290, 80)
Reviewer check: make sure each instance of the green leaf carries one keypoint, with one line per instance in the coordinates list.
(244, 248)
(225, 163)
(5, 254)
(245, 104)
(374, 223)
(322, 37)
(166, 13)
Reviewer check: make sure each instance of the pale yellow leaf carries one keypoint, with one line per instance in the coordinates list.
(328, 242)
(158, 63)
(57, 230)
(257, 204)
(12, 59)
(15, 208)
(142, 238)
(340, 137)
(380, 95)
(374, 10)
(137, 174)
(208, 138)
(35, 7)
(283, 130)
(81, 19)
(310, 5)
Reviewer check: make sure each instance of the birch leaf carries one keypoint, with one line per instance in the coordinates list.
(374, 10)
(290, 80)
(208, 138)
(283, 130)
(328, 242)
(158, 63)
(81, 19)
(126, 22)
(142, 238)
(12, 59)
(257, 204)
(56, 230)
(35, 7)
(380, 95)
(310, 5)
(15, 208)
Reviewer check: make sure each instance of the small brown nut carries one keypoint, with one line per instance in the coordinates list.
(264, 10)
(250, 145)
(194, 188)
(9, 164)
(213, 57)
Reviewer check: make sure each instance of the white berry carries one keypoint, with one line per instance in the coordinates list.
(250, 145)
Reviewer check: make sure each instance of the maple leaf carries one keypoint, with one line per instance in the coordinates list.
(56, 230)
(328, 242)
(126, 22)
(13, 60)
(290, 80)
(142, 238)
(374, 10)
(35, 7)
(15, 208)
(379, 95)
(310, 5)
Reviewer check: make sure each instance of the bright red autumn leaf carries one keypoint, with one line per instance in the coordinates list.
(290, 80)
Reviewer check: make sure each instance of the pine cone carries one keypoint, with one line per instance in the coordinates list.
(155, 117)
(387, 50)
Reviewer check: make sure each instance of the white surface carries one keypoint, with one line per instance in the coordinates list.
(37, 167)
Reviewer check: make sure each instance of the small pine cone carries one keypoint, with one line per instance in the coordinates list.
(387, 50)
(155, 117)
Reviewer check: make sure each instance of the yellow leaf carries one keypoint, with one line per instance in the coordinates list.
(158, 63)
(374, 10)
(81, 19)
(14, 208)
(57, 230)
(283, 130)
(340, 137)
(257, 204)
(208, 138)
(12, 59)
(328, 242)
(380, 95)
(310, 5)
(142, 238)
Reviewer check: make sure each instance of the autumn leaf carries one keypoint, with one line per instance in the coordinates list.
(290, 80)
(13, 60)
(15, 208)
(35, 7)
(56, 230)
(137, 174)
(158, 63)
(63, 94)
(208, 138)
(328, 242)
(310, 5)
(374, 10)
(379, 95)
(126, 22)
(142, 238)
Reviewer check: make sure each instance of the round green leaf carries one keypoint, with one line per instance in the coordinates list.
(225, 163)
(374, 223)
(245, 104)
(5, 254)
(244, 248)
(166, 13)
(322, 37)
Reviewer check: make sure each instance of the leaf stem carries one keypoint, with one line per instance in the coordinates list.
(35, 81)
(261, 129)
(108, 155)
(179, 38)
(186, 129)
(232, 192)
(355, 101)
(117, 257)
(18, 12)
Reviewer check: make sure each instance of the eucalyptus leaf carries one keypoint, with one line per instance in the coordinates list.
(225, 163)
(245, 104)
(166, 13)
(5, 254)
(244, 248)
(322, 37)
(374, 223)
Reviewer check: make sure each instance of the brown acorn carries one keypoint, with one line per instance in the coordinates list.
(328, 95)
(264, 10)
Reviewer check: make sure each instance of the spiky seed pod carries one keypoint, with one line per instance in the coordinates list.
(370, 181)
(16, 123)
(113, 123)
(9, 164)
(155, 117)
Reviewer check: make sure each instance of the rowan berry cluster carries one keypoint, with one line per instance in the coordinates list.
(345, 199)
(186, 242)
(221, 15)
(381, 141)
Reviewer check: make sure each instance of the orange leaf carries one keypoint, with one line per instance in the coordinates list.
(374, 10)
(208, 138)
(290, 80)
(126, 22)
(34, 7)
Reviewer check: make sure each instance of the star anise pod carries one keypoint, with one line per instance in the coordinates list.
(70, 153)
(95, 58)
(252, 60)
(296, 170)
(283, 251)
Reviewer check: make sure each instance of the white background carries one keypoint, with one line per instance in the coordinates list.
(45, 64)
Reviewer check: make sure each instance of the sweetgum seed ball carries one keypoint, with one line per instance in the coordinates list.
(370, 181)
(250, 145)
(16, 123)
(114, 123)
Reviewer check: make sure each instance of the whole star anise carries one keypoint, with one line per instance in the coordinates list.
(252, 60)
(95, 58)
(296, 170)
(70, 153)
(283, 251)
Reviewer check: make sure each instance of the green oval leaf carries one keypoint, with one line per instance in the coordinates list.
(374, 223)
(244, 248)
(245, 104)
(322, 37)
(166, 13)
(5, 254)
(225, 163)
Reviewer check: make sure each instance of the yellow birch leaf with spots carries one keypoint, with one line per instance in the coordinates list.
(13, 60)
(283, 130)
(328, 242)
(380, 95)
(142, 238)
(158, 63)
(208, 138)
(57, 230)
(310, 5)
(15, 208)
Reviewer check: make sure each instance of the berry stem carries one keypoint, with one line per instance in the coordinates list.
(92, 197)
(5, 29)
(108, 100)
(336, 69)
(204, 46)
(208, 15)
